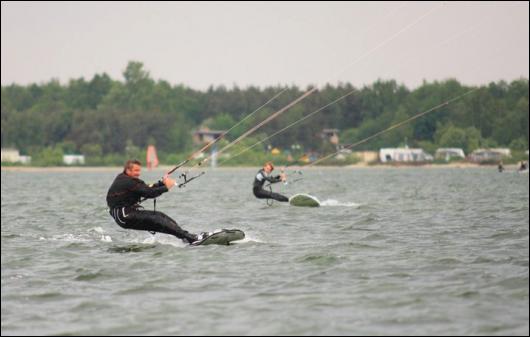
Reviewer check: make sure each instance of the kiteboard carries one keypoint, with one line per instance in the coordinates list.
(304, 200)
(220, 237)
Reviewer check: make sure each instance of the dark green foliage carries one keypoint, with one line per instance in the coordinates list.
(107, 119)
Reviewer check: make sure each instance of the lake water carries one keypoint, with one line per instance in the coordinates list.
(392, 251)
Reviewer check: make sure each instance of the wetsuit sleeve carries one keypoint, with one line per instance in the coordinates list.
(159, 183)
(273, 180)
(150, 192)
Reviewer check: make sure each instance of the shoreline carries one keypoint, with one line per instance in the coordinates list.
(64, 169)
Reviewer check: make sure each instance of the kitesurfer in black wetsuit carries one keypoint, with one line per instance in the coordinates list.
(124, 197)
(260, 179)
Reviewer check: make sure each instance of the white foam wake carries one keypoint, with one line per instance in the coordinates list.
(247, 239)
(96, 233)
(67, 238)
(164, 239)
(336, 203)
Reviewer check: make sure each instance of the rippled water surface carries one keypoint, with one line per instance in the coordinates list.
(392, 251)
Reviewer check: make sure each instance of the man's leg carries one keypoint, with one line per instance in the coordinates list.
(154, 221)
(264, 194)
(279, 197)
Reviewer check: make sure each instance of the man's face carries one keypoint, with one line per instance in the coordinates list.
(134, 171)
(268, 168)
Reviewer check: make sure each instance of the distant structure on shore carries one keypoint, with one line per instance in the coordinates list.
(330, 135)
(449, 153)
(205, 136)
(74, 159)
(10, 155)
(403, 155)
(489, 155)
(151, 157)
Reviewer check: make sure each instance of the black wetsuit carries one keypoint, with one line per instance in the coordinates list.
(123, 199)
(261, 193)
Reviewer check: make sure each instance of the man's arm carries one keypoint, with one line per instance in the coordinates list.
(277, 179)
(273, 180)
(155, 190)
(146, 191)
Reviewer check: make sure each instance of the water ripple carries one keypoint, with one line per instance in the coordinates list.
(397, 252)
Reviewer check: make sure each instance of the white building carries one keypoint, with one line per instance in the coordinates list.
(402, 155)
(206, 135)
(331, 135)
(13, 156)
(10, 156)
(480, 155)
(448, 153)
(25, 159)
(74, 159)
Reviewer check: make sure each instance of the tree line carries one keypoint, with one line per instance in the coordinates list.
(108, 119)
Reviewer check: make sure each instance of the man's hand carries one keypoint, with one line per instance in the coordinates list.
(283, 177)
(168, 181)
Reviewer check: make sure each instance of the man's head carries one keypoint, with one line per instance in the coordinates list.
(132, 168)
(268, 167)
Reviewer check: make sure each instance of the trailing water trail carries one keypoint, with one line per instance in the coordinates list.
(337, 203)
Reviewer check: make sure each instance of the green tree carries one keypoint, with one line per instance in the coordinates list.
(108, 112)
(222, 121)
(49, 156)
(519, 144)
(454, 137)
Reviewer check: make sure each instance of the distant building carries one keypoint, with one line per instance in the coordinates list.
(343, 153)
(25, 159)
(206, 136)
(483, 155)
(74, 159)
(403, 155)
(331, 135)
(151, 158)
(10, 155)
(505, 152)
(449, 153)
(366, 156)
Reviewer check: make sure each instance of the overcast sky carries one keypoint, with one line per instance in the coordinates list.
(267, 43)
